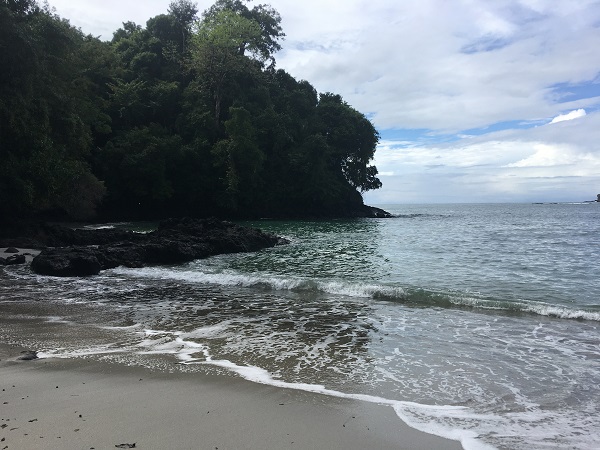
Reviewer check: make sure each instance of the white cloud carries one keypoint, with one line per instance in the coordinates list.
(552, 155)
(547, 163)
(448, 66)
(102, 18)
(569, 116)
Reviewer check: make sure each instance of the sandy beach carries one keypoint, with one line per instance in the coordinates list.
(82, 404)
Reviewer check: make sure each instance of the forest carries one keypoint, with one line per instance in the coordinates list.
(187, 116)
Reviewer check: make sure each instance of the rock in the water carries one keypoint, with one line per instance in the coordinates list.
(175, 241)
(11, 250)
(377, 213)
(67, 262)
(13, 259)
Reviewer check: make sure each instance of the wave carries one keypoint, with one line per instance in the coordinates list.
(410, 297)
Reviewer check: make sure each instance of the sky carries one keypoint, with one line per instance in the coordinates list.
(476, 101)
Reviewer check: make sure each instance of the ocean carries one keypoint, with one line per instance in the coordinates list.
(475, 322)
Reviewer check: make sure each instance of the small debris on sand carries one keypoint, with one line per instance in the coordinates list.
(28, 355)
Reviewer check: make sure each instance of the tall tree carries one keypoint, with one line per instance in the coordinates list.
(267, 18)
(217, 51)
(352, 140)
(240, 158)
(184, 12)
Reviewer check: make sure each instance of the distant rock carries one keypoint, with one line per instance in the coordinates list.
(377, 213)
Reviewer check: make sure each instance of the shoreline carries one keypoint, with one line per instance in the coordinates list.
(80, 403)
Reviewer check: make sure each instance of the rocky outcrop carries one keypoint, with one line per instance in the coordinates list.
(175, 241)
(376, 213)
(12, 260)
(67, 262)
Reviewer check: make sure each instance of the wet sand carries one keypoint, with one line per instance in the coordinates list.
(83, 404)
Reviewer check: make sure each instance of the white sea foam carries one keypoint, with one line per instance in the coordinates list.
(468, 439)
(57, 319)
(82, 352)
(172, 343)
(124, 328)
(451, 422)
(276, 282)
(351, 289)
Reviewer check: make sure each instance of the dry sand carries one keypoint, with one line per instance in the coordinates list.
(80, 404)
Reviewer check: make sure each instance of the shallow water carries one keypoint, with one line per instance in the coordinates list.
(477, 322)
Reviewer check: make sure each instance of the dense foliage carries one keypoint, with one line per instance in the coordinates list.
(185, 116)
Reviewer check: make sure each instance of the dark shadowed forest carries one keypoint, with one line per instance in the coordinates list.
(185, 115)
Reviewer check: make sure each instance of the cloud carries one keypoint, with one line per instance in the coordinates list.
(569, 116)
(558, 162)
(103, 18)
(552, 155)
(486, 62)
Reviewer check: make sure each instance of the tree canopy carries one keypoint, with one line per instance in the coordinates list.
(186, 115)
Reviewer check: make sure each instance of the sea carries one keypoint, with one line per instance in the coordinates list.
(476, 322)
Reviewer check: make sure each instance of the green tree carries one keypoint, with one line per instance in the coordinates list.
(352, 140)
(184, 12)
(51, 109)
(217, 54)
(266, 44)
(240, 158)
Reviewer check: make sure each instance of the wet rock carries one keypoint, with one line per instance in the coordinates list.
(67, 262)
(175, 241)
(11, 250)
(13, 259)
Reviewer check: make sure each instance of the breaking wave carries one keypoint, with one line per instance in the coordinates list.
(408, 296)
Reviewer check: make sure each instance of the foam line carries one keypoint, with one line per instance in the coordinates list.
(350, 289)
(468, 439)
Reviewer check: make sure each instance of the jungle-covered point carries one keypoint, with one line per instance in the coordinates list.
(185, 116)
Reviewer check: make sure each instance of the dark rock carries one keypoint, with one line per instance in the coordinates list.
(67, 262)
(11, 250)
(169, 251)
(126, 254)
(377, 213)
(175, 241)
(13, 259)
(28, 355)
(39, 236)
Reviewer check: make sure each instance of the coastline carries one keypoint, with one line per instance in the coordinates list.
(79, 403)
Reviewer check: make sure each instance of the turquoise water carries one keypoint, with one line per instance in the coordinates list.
(475, 322)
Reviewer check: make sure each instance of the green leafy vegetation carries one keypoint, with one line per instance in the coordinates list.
(185, 116)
